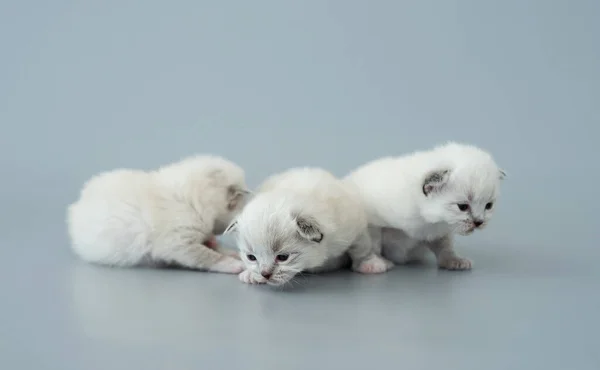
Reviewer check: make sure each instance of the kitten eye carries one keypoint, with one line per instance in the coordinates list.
(282, 257)
(463, 206)
(489, 205)
(251, 257)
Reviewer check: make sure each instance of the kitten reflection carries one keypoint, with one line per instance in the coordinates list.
(144, 306)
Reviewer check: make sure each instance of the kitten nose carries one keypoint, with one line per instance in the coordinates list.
(478, 223)
(266, 275)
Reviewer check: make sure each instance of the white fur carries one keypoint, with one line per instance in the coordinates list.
(310, 216)
(403, 220)
(130, 217)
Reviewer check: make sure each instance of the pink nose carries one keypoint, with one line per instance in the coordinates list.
(266, 275)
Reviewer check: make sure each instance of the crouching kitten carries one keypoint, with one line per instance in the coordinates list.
(169, 216)
(418, 201)
(303, 219)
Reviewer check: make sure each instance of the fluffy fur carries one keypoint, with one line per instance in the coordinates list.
(303, 219)
(418, 201)
(169, 216)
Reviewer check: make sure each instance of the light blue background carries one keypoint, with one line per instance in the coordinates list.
(87, 86)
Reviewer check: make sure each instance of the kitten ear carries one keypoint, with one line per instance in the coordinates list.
(235, 196)
(435, 181)
(503, 174)
(308, 228)
(233, 226)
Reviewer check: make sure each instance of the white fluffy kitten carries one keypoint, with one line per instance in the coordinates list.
(417, 201)
(168, 216)
(303, 219)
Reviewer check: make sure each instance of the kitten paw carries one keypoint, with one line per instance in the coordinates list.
(374, 265)
(228, 265)
(247, 277)
(456, 263)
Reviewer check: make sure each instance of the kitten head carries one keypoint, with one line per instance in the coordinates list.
(463, 188)
(277, 240)
(232, 194)
(214, 185)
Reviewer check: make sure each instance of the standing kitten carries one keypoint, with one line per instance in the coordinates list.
(169, 216)
(416, 202)
(303, 219)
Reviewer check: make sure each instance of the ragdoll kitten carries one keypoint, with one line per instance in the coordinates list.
(417, 201)
(168, 216)
(303, 219)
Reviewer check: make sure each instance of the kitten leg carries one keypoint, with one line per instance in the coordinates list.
(214, 244)
(228, 265)
(199, 256)
(364, 258)
(230, 252)
(446, 257)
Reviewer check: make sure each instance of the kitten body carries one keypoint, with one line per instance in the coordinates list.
(129, 217)
(416, 202)
(303, 219)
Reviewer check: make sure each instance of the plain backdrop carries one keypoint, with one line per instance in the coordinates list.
(87, 86)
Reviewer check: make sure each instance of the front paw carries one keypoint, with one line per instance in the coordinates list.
(455, 264)
(249, 278)
(373, 265)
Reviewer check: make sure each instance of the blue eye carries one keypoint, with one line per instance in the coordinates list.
(251, 257)
(463, 207)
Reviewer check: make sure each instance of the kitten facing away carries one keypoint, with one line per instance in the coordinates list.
(303, 220)
(170, 216)
(418, 201)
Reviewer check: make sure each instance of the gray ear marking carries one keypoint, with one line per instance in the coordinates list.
(231, 228)
(503, 174)
(308, 229)
(435, 181)
(244, 191)
(235, 195)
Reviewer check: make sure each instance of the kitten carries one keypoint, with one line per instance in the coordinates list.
(303, 219)
(418, 201)
(130, 217)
